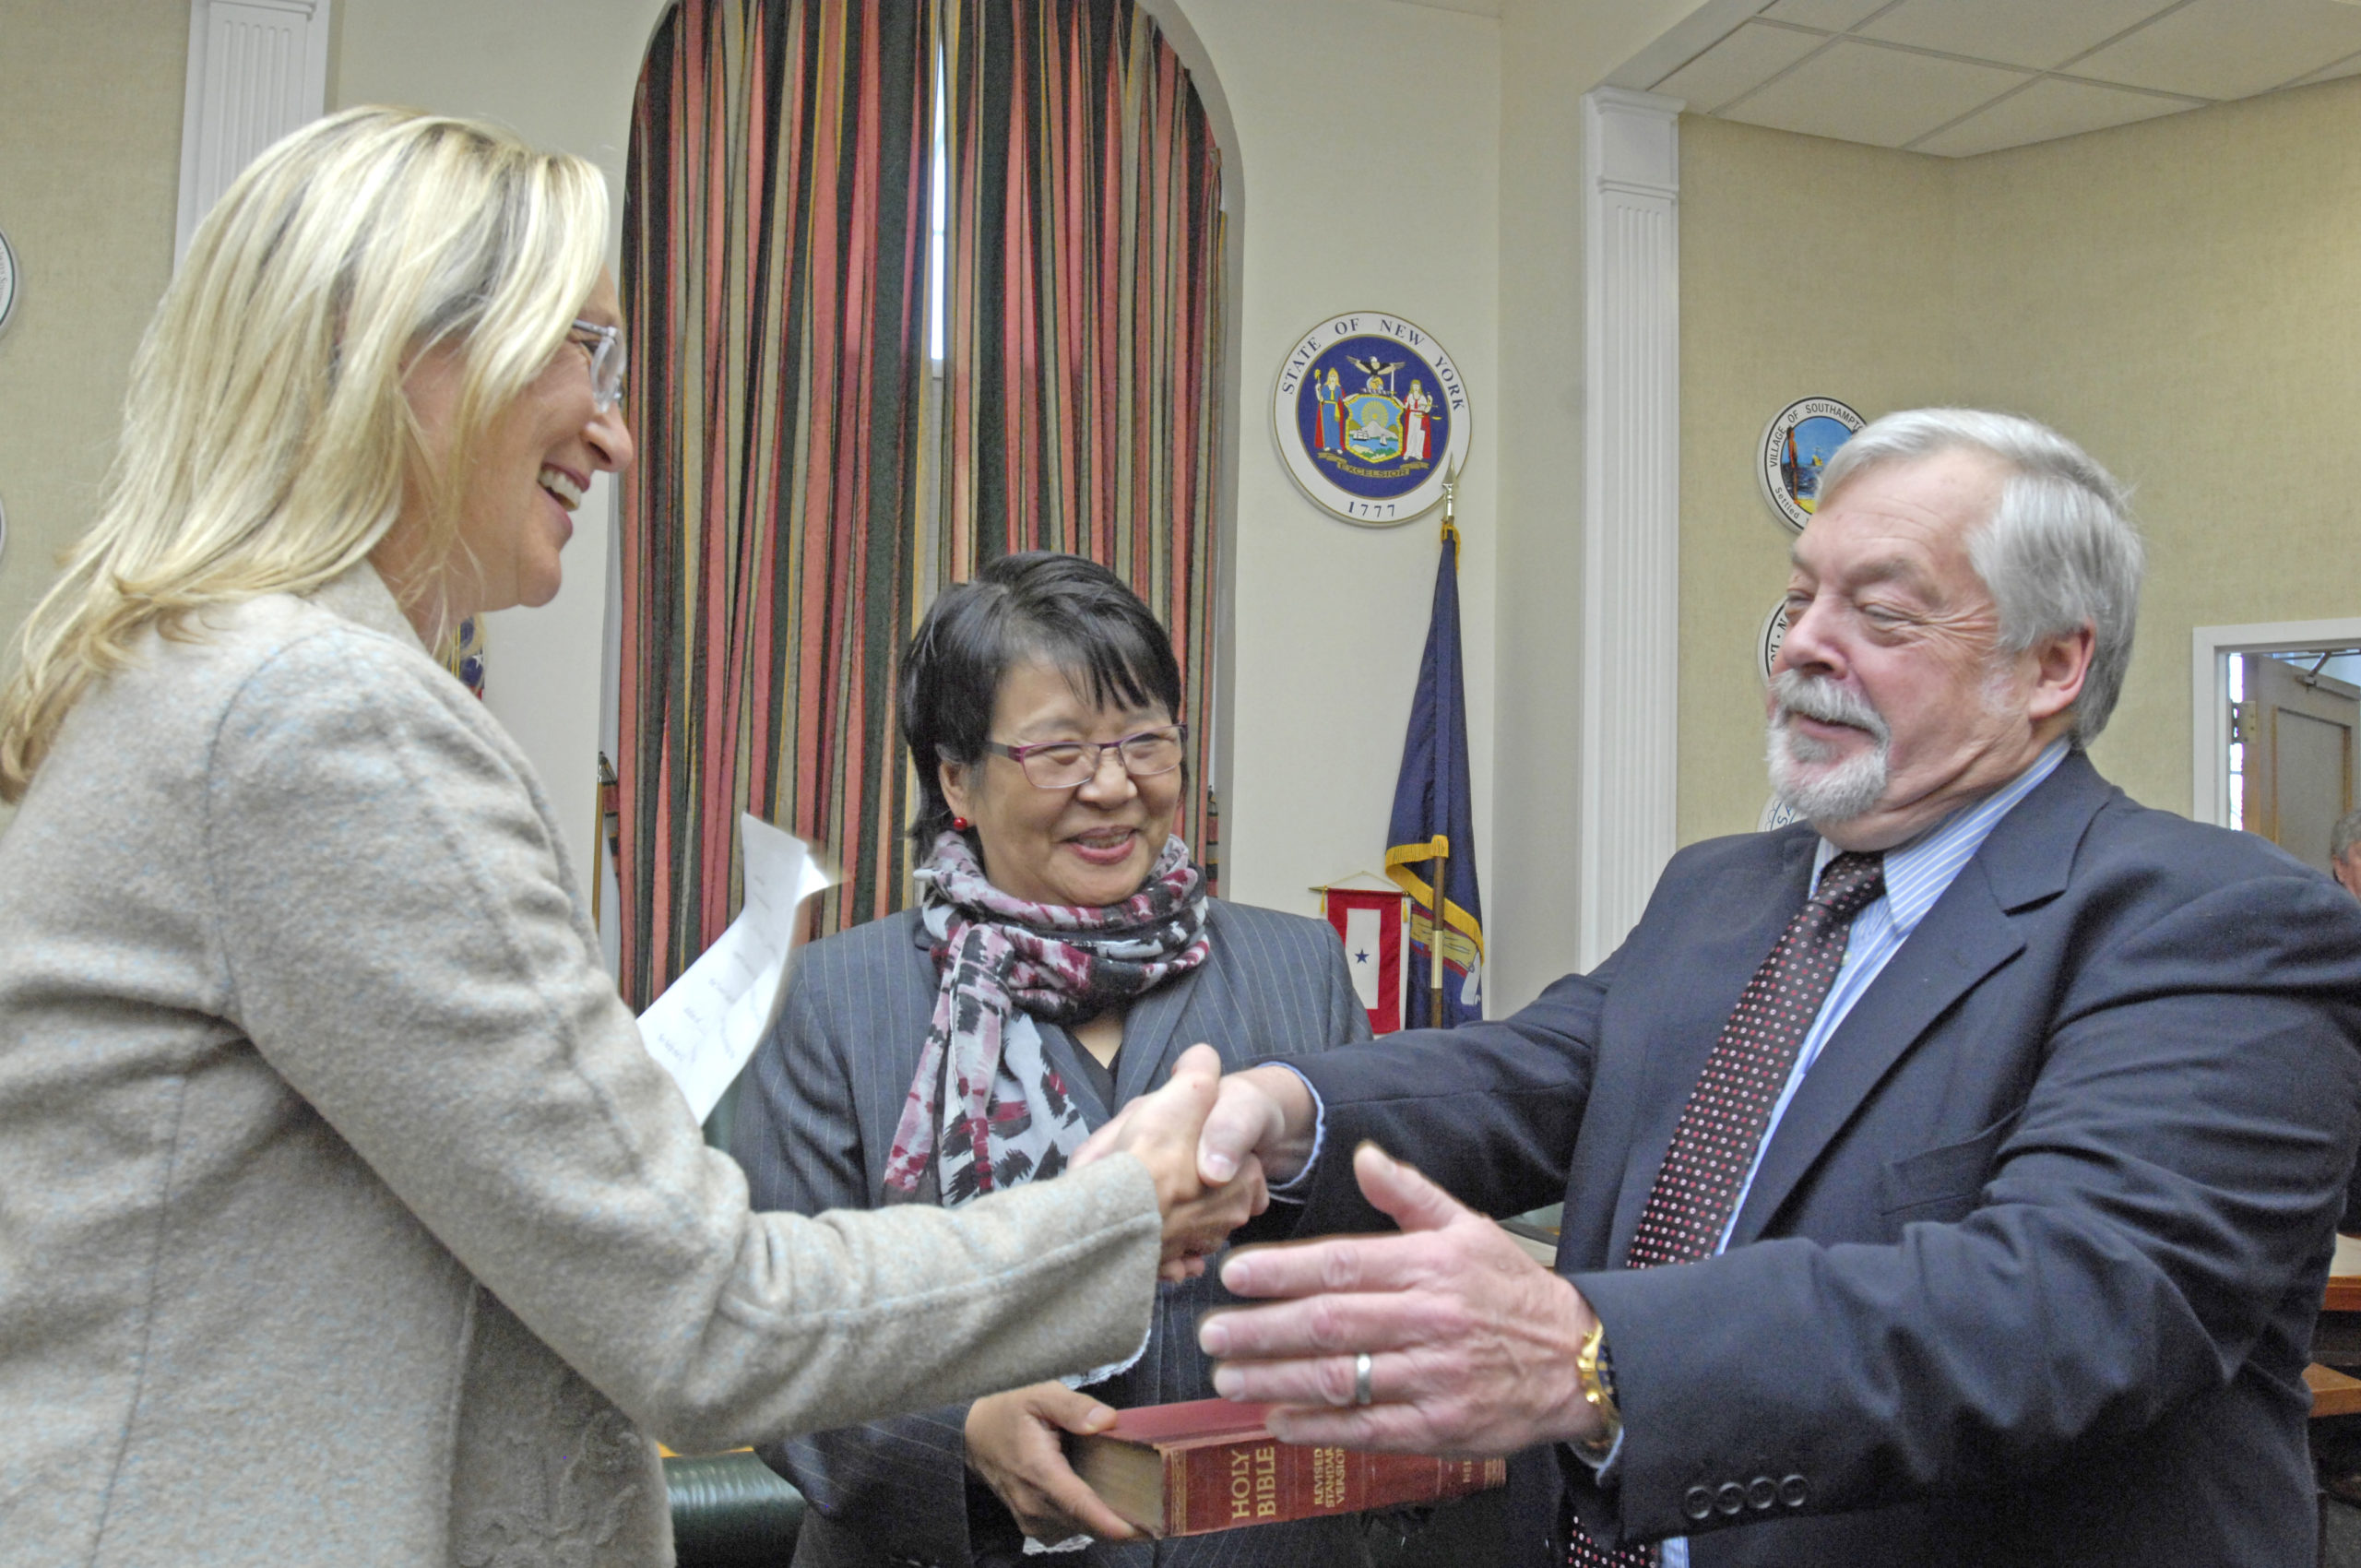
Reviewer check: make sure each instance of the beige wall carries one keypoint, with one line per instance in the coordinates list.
(1480, 243)
(88, 188)
(2177, 295)
(90, 177)
(1536, 644)
(1329, 618)
(2173, 292)
(1551, 52)
(1807, 268)
(2184, 297)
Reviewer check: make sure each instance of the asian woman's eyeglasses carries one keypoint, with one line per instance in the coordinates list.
(1061, 764)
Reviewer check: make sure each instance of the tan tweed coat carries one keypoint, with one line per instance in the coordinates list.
(343, 1219)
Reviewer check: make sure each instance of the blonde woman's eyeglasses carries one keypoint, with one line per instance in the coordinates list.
(608, 361)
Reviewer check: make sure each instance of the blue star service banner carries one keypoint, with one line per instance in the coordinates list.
(1433, 838)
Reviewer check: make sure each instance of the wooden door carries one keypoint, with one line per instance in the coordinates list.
(2300, 732)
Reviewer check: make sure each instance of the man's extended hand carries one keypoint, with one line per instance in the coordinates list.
(1265, 1114)
(1471, 1343)
(1161, 1130)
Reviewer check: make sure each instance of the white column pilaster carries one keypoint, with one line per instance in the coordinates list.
(256, 70)
(1631, 594)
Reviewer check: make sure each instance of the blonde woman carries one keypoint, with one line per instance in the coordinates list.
(344, 1217)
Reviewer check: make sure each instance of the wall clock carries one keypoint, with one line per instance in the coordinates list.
(7, 281)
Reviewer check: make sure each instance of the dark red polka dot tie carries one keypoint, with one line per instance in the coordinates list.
(1721, 1127)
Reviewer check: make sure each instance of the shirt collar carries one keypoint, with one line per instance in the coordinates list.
(1919, 872)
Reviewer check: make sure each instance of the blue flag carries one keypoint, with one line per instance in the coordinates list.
(1433, 836)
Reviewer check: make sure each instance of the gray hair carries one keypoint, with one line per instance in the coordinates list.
(2346, 834)
(2059, 552)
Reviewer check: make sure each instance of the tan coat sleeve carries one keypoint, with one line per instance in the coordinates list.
(405, 948)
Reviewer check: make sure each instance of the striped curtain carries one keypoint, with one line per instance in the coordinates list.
(1085, 314)
(774, 247)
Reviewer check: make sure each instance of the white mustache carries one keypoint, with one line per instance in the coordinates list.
(1816, 697)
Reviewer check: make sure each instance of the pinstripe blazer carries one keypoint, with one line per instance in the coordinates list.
(817, 1115)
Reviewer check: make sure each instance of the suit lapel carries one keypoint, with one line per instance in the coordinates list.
(1689, 1008)
(1967, 935)
(1149, 1031)
(1964, 938)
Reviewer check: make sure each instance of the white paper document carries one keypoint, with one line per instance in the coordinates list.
(707, 1022)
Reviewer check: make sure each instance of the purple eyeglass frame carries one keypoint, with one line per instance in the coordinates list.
(1098, 749)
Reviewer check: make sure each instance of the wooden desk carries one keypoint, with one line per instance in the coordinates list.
(2334, 1394)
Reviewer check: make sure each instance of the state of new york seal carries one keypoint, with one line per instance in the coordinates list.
(1372, 416)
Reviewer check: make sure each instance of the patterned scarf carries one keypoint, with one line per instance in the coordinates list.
(984, 1093)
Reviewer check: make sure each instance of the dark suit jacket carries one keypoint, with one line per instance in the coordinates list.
(2029, 1270)
(817, 1115)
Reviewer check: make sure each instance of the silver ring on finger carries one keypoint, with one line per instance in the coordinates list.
(1361, 1395)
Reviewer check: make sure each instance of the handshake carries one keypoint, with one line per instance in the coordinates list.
(1444, 1338)
(1214, 1145)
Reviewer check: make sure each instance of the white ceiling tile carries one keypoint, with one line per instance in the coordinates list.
(1835, 15)
(1473, 7)
(2051, 106)
(2346, 68)
(1739, 64)
(1861, 92)
(2230, 48)
(2040, 33)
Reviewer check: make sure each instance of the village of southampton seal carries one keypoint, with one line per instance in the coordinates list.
(1372, 416)
(1796, 445)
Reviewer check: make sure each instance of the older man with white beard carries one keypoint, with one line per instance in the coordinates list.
(1950, 1179)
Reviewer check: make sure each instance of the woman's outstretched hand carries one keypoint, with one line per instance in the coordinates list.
(1161, 1130)
(1013, 1444)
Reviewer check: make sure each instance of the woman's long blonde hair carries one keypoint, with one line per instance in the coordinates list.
(266, 436)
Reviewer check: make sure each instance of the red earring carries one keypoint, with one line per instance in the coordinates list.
(961, 823)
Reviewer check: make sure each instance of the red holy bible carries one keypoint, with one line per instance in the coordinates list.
(1209, 1464)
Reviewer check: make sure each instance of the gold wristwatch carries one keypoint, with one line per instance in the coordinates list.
(1594, 1369)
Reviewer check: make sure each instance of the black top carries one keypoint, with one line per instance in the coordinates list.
(1101, 1074)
